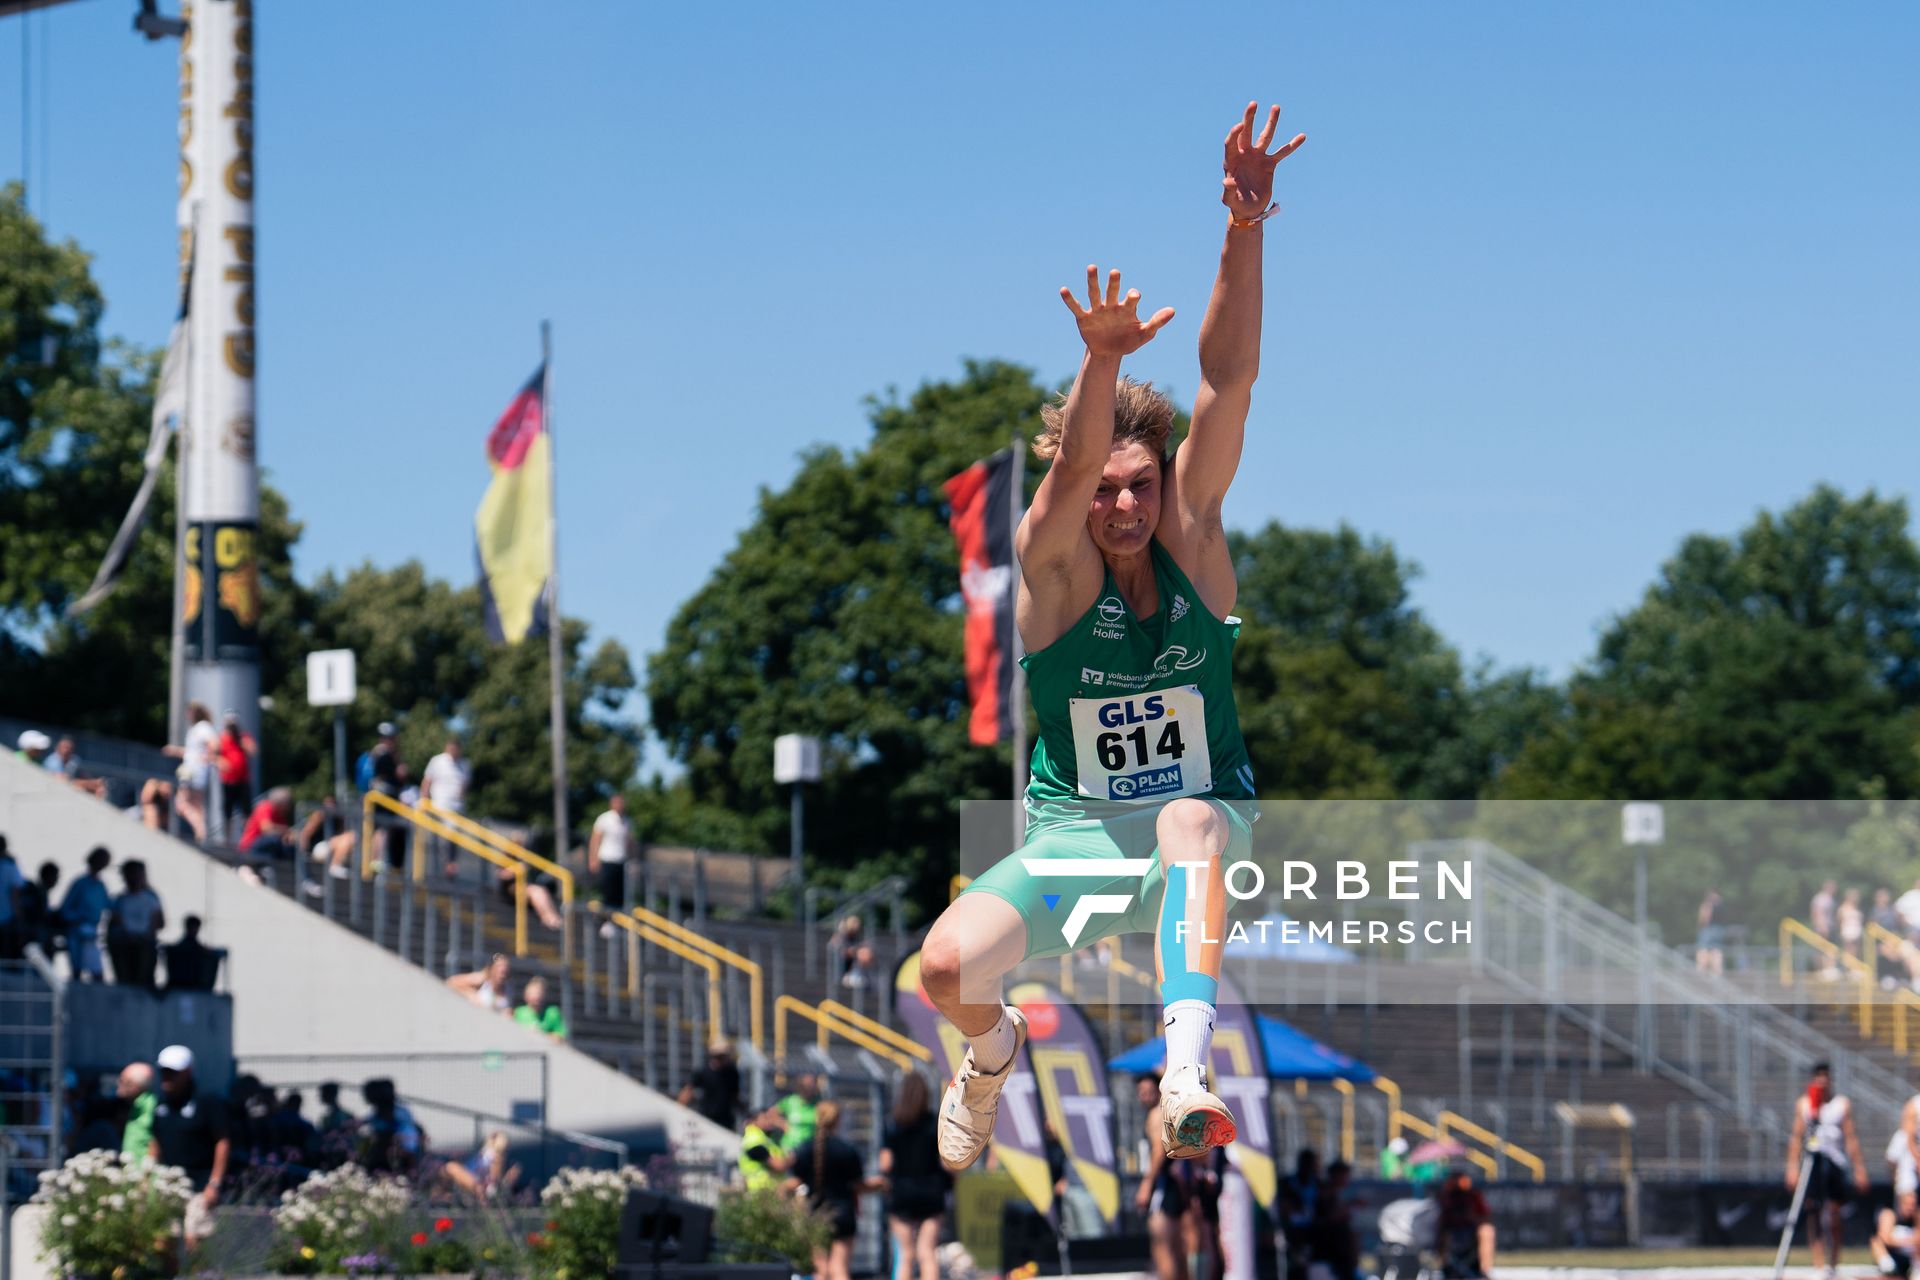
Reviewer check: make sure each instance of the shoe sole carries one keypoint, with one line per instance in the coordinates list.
(1200, 1132)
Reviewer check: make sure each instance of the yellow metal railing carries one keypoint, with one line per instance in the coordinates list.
(878, 1030)
(1838, 959)
(1519, 1155)
(1345, 1090)
(643, 932)
(500, 844)
(756, 983)
(433, 826)
(1902, 998)
(1398, 1119)
(827, 1024)
(488, 836)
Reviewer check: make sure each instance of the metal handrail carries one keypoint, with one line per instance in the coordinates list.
(481, 831)
(878, 1030)
(828, 1024)
(756, 983)
(647, 933)
(375, 800)
(1345, 1089)
(1479, 1133)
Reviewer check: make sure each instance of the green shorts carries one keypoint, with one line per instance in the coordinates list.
(1046, 902)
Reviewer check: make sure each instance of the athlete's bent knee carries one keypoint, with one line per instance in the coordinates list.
(940, 958)
(1191, 829)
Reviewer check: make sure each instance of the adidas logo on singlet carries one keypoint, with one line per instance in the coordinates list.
(1179, 609)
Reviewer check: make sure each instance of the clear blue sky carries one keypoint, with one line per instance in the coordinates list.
(1556, 284)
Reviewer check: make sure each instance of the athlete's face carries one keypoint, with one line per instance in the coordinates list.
(1126, 506)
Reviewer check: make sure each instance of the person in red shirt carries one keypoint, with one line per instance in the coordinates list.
(233, 757)
(269, 826)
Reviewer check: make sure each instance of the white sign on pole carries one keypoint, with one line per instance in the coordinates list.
(330, 679)
(1642, 822)
(796, 758)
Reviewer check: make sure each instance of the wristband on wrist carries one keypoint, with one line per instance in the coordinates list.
(1242, 224)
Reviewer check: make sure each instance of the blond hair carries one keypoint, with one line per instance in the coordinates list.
(1141, 415)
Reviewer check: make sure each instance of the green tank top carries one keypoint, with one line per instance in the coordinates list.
(1136, 710)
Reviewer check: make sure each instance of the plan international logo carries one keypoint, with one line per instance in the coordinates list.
(1246, 881)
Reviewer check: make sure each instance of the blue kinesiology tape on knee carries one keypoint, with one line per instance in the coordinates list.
(1179, 980)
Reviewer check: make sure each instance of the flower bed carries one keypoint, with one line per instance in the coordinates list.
(107, 1218)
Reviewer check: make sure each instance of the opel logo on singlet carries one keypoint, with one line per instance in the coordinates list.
(1111, 611)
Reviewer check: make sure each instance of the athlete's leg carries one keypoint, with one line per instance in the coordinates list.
(974, 944)
(1193, 838)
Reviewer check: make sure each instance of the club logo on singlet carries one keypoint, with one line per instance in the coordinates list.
(1110, 617)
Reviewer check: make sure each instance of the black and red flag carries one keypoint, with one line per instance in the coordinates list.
(982, 498)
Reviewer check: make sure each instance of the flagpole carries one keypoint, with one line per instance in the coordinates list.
(556, 671)
(1016, 500)
(177, 659)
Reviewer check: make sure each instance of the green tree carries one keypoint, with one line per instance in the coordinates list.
(1783, 663)
(837, 614)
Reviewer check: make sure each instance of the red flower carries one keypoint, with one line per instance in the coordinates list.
(443, 1224)
(419, 1237)
(553, 1226)
(535, 1239)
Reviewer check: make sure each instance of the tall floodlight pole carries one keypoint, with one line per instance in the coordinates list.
(219, 480)
(1643, 823)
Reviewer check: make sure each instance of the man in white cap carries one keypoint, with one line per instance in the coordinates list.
(190, 1132)
(34, 746)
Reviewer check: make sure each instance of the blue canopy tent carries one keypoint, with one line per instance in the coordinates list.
(1291, 1054)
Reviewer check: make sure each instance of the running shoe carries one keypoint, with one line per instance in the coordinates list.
(972, 1102)
(1195, 1120)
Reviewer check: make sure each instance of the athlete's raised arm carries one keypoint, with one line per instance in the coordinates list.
(1055, 529)
(1229, 336)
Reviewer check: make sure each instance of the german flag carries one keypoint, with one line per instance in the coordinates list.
(513, 530)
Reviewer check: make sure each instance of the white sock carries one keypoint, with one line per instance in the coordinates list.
(1189, 1033)
(994, 1046)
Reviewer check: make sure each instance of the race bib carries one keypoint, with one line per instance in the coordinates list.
(1144, 746)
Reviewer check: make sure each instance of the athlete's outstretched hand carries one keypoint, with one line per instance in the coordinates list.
(1112, 326)
(1247, 189)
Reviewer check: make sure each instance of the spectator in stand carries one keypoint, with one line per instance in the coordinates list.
(191, 965)
(607, 855)
(65, 761)
(834, 1175)
(135, 1090)
(233, 757)
(87, 900)
(540, 887)
(444, 784)
(1820, 911)
(916, 1181)
(799, 1111)
(860, 971)
(763, 1152)
(133, 928)
(33, 747)
(378, 770)
(39, 921)
(487, 987)
(1709, 935)
(1464, 1235)
(535, 1012)
(290, 1135)
(714, 1090)
(326, 835)
(847, 936)
(156, 804)
(1908, 905)
(391, 1140)
(191, 1131)
(485, 1175)
(1851, 922)
(334, 1118)
(196, 758)
(13, 935)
